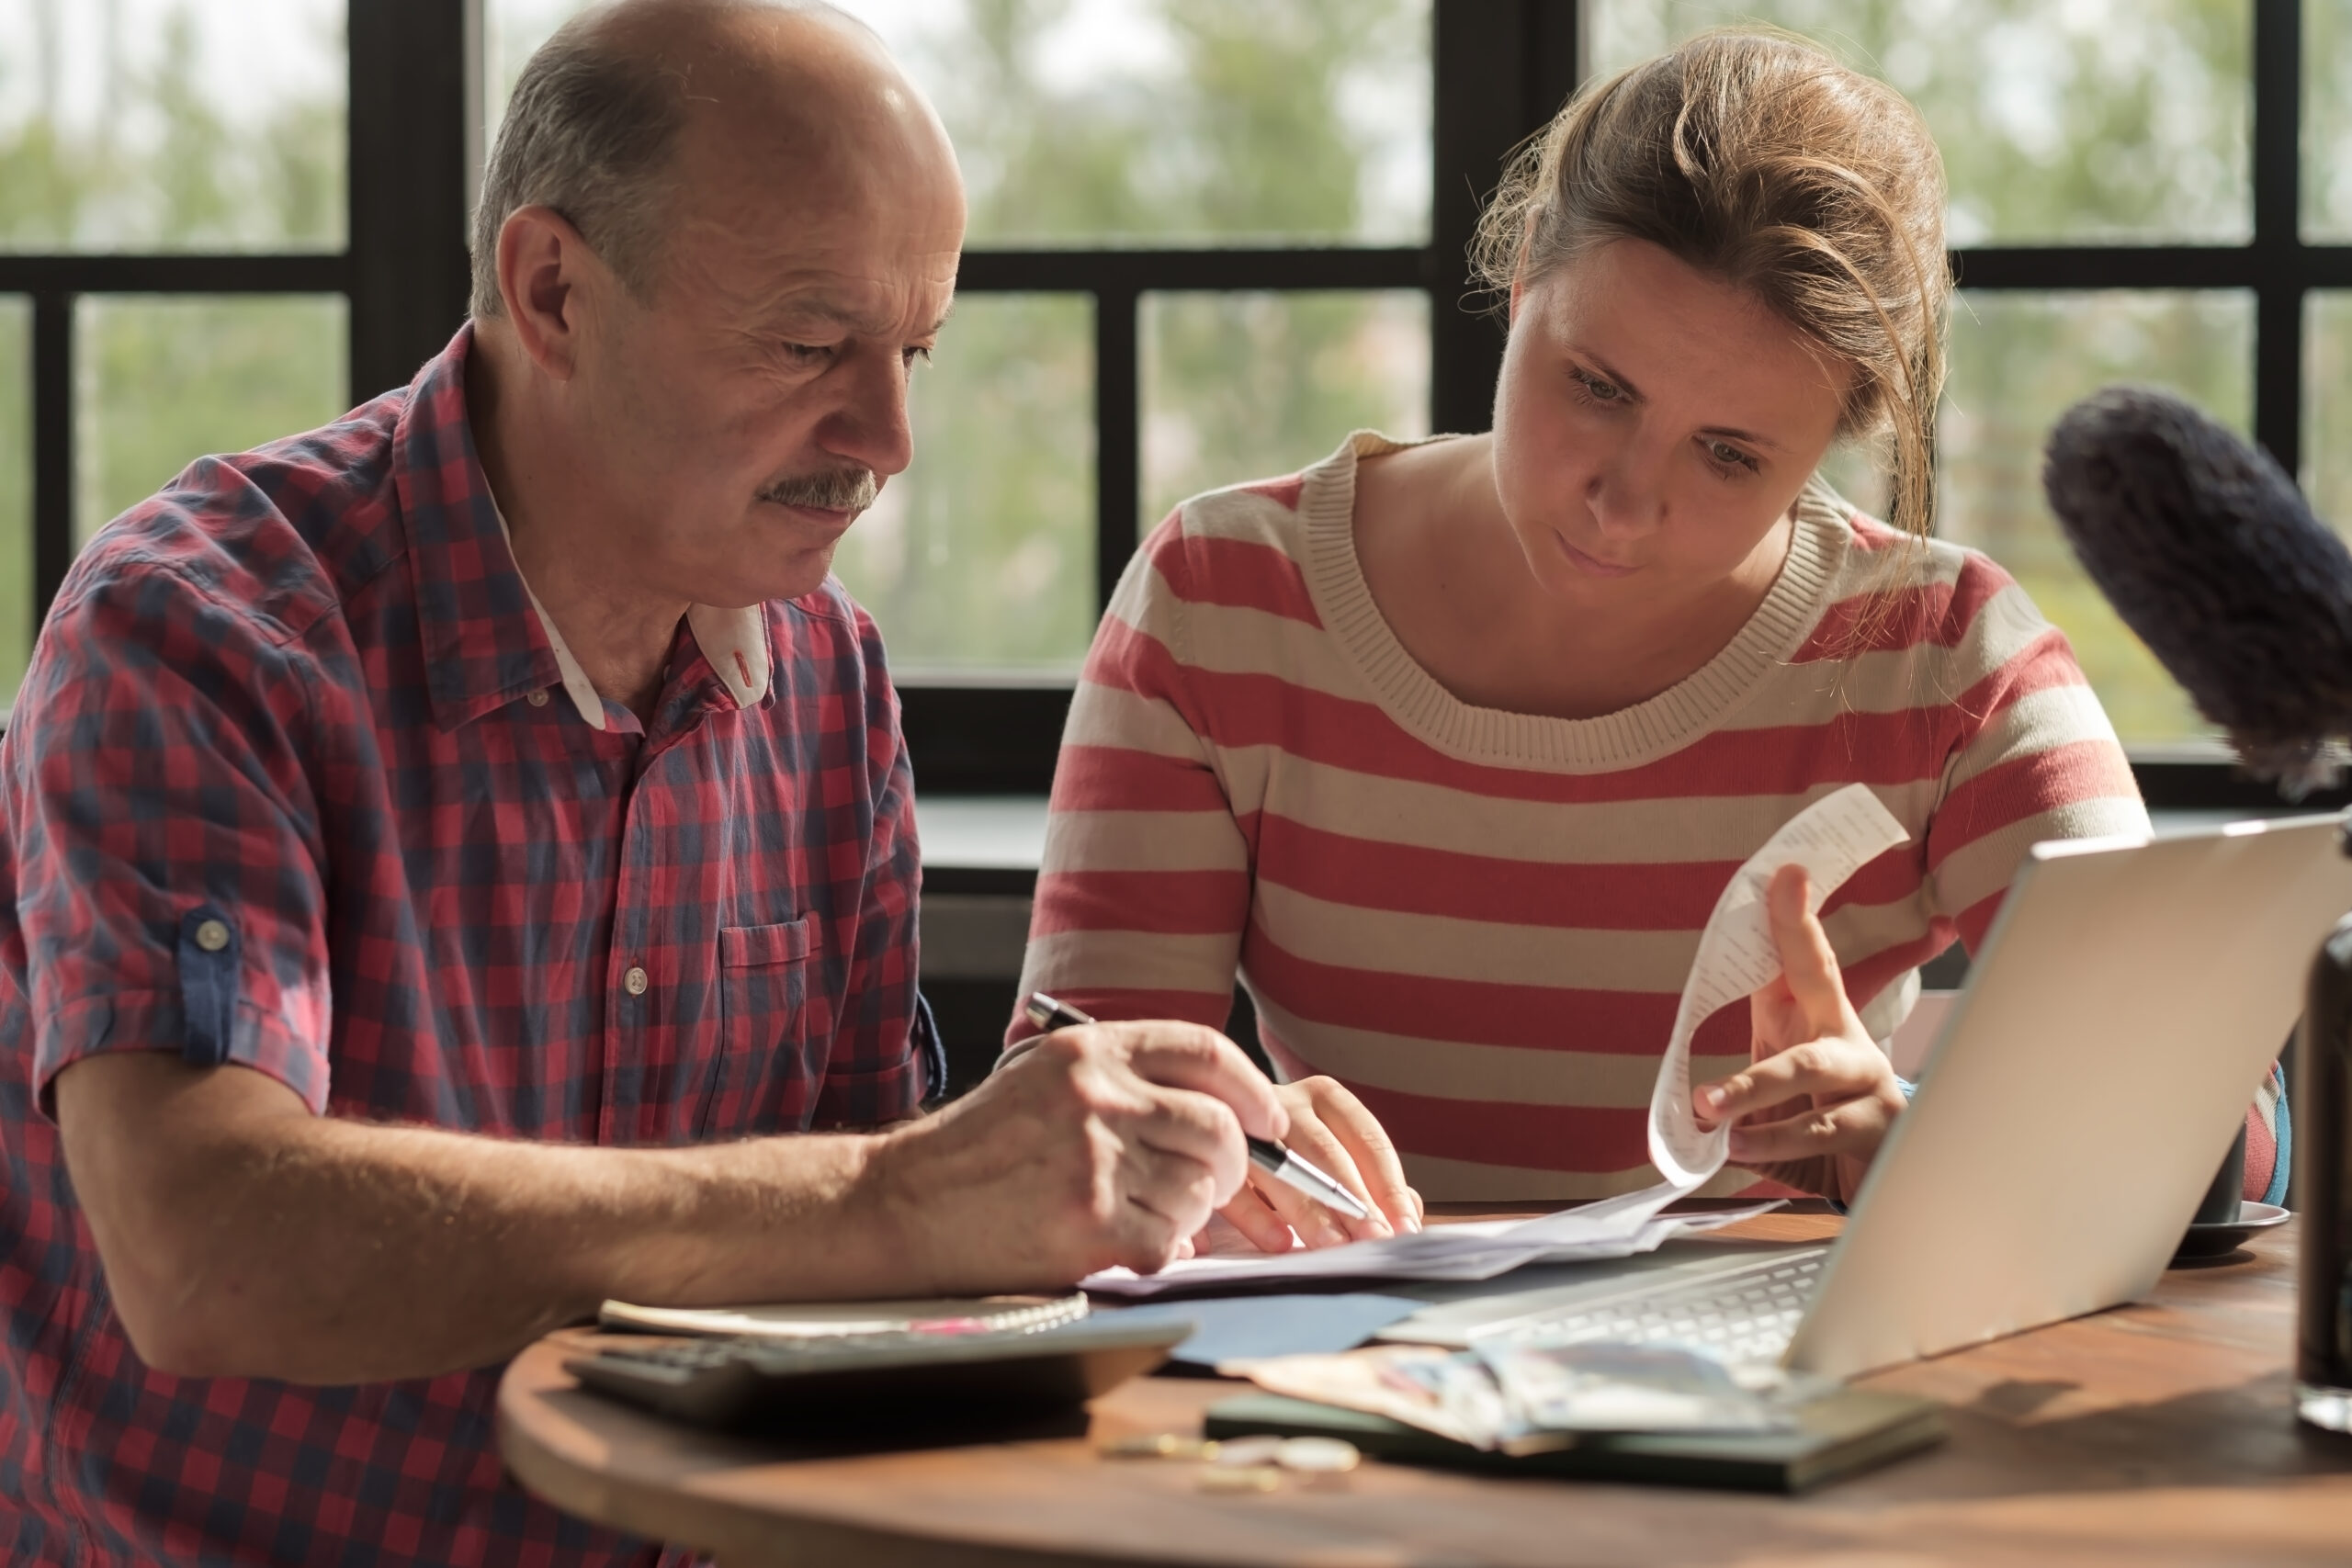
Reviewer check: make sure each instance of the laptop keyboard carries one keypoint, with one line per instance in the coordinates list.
(1742, 1315)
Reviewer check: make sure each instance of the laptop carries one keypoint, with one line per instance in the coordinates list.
(2071, 1112)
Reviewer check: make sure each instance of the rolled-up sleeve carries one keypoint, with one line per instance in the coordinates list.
(169, 892)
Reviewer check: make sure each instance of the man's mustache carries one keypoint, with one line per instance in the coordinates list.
(843, 490)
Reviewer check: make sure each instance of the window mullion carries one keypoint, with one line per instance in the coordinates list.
(1118, 435)
(411, 102)
(2278, 240)
(52, 367)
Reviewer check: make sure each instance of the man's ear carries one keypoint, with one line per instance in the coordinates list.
(544, 269)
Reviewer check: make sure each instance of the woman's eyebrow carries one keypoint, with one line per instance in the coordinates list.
(1736, 435)
(1626, 387)
(1619, 381)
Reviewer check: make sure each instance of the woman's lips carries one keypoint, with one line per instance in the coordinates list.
(1591, 564)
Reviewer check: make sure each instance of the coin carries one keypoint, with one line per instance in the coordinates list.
(1159, 1445)
(1319, 1456)
(1248, 1451)
(1239, 1478)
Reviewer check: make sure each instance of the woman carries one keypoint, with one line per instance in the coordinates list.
(1450, 747)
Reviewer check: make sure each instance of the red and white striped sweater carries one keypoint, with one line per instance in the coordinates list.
(1481, 921)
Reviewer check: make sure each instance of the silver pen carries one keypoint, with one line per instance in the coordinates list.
(1264, 1153)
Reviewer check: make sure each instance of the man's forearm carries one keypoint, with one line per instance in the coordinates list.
(322, 1250)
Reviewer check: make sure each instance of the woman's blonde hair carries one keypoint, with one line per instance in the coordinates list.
(1755, 158)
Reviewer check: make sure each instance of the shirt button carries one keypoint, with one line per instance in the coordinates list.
(635, 982)
(212, 936)
(538, 697)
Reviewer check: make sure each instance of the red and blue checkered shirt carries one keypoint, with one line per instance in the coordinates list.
(305, 694)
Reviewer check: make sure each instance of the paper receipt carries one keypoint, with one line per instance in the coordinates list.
(1832, 839)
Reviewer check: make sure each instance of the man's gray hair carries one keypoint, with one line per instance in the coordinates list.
(589, 132)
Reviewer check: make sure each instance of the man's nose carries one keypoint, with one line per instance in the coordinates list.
(869, 425)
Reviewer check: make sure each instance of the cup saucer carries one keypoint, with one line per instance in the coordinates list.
(2213, 1240)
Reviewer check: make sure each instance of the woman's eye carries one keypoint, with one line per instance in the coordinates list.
(1729, 455)
(1599, 390)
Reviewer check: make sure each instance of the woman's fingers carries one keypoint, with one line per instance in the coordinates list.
(1808, 964)
(1831, 1070)
(1249, 1213)
(1854, 1127)
(1317, 1226)
(1378, 1175)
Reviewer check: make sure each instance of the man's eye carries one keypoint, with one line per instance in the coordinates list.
(916, 353)
(806, 352)
(1605, 391)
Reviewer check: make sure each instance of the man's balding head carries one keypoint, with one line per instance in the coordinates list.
(716, 238)
(635, 115)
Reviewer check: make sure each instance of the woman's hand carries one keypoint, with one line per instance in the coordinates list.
(1331, 1129)
(1820, 1095)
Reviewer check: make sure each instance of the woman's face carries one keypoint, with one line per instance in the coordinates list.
(1651, 427)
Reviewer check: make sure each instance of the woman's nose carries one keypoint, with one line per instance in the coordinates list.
(1625, 499)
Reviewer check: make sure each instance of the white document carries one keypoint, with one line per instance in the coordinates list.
(1832, 839)
(1479, 1251)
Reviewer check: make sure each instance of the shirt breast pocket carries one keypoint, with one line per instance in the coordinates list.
(764, 1002)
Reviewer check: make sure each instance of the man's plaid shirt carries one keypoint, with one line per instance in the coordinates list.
(302, 700)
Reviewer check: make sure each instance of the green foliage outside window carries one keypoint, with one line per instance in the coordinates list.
(2092, 122)
(165, 378)
(159, 162)
(1249, 130)
(162, 167)
(2328, 122)
(1245, 386)
(1184, 122)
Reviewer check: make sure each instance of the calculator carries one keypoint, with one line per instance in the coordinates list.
(822, 1385)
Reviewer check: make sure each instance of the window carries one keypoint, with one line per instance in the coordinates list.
(167, 377)
(1209, 238)
(208, 238)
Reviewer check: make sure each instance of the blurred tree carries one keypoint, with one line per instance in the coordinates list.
(2097, 121)
(2327, 218)
(163, 168)
(1226, 121)
(1242, 134)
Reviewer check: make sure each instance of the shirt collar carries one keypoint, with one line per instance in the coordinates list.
(735, 643)
(487, 639)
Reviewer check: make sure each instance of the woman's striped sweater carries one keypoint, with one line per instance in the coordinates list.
(1481, 921)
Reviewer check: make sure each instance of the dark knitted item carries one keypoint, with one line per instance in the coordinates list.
(2207, 550)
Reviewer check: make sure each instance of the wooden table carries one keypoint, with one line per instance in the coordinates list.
(2155, 1434)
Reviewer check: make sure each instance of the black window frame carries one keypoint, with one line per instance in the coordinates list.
(1500, 69)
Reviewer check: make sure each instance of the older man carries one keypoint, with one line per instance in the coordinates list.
(443, 842)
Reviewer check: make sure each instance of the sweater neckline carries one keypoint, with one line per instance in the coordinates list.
(1628, 737)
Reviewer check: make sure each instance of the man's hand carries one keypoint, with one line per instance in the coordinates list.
(1107, 1144)
(1329, 1128)
(1820, 1095)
